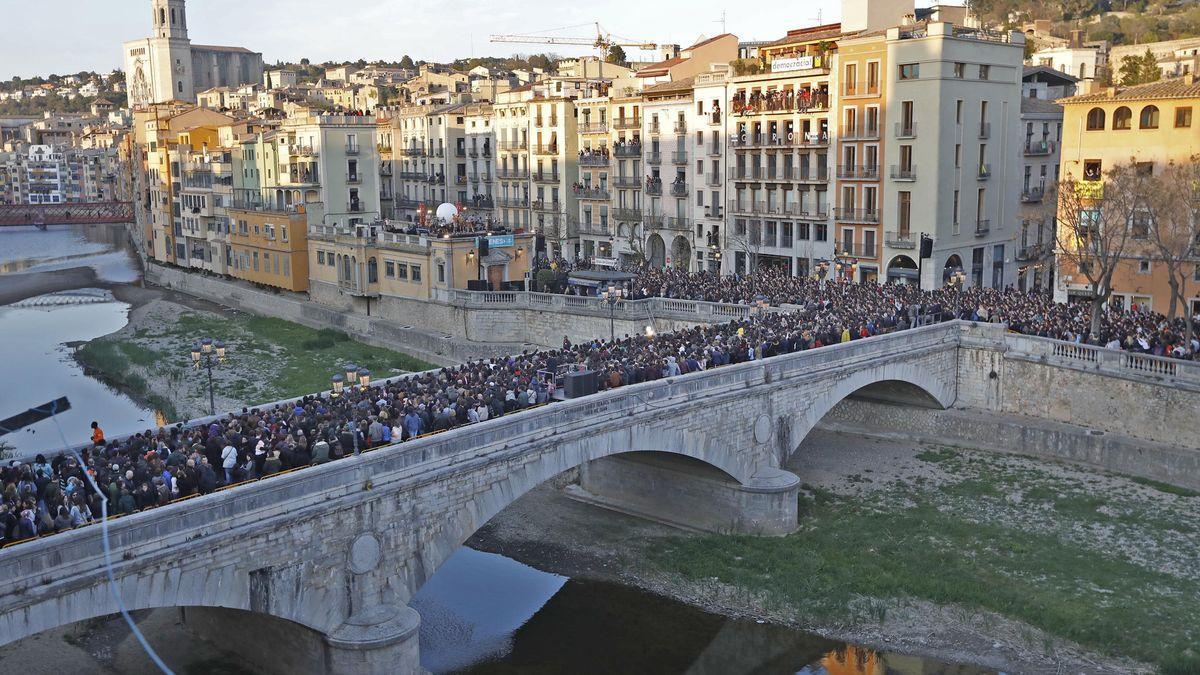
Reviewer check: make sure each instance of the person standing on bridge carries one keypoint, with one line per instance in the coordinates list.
(228, 462)
(97, 434)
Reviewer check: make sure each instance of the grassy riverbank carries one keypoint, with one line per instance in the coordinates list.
(268, 359)
(1107, 562)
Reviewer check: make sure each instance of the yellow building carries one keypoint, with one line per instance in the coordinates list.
(1153, 124)
(269, 246)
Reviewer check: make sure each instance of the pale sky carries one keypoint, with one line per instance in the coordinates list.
(66, 36)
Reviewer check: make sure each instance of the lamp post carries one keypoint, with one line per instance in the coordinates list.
(204, 353)
(611, 296)
(958, 278)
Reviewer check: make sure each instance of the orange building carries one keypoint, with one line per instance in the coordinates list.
(269, 246)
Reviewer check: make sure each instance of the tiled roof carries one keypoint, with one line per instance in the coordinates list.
(1180, 87)
(684, 84)
(827, 32)
(1047, 70)
(1039, 105)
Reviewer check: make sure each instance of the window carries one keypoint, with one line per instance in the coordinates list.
(415, 273)
(1183, 117)
(441, 273)
(389, 269)
(1093, 169)
(402, 271)
(905, 220)
(1144, 267)
(910, 71)
(984, 71)
(1122, 119)
(320, 257)
(1149, 118)
(960, 70)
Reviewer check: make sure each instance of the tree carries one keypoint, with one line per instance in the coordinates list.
(1093, 229)
(1137, 70)
(616, 55)
(1173, 210)
(305, 62)
(407, 62)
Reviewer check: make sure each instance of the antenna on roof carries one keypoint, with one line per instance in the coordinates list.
(722, 22)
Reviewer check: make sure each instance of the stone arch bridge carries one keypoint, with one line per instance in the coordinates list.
(341, 548)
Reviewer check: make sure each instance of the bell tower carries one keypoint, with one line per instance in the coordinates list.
(170, 19)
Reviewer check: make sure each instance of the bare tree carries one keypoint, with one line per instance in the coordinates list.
(1174, 234)
(1093, 229)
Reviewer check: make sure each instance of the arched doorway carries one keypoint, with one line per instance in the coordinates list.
(903, 270)
(681, 253)
(953, 264)
(656, 250)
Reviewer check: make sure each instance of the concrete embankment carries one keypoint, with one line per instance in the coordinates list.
(17, 287)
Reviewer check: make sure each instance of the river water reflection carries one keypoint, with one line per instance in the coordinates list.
(484, 613)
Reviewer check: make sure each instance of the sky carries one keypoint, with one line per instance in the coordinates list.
(67, 36)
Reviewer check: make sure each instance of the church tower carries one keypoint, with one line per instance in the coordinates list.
(170, 19)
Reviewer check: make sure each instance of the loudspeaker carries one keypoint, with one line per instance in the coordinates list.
(478, 285)
(581, 383)
(926, 246)
(540, 244)
(484, 246)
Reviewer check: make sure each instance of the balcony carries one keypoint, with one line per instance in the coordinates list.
(985, 171)
(304, 151)
(906, 129)
(982, 227)
(652, 219)
(654, 128)
(435, 178)
(508, 174)
(627, 215)
(627, 182)
(412, 175)
(592, 193)
(679, 189)
(628, 150)
(460, 152)
(654, 187)
(805, 101)
(385, 169)
(869, 216)
(353, 178)
(654, 157)
(985, 130)
(852, 172)
(553, 206)
(713, 212)
(714, 150)
(1032, 195)
(900, 240)
(814, 139)
(547, 149)
(594, 159)
(412, 151)
(904, 173)
(1039, 148)
(406, 203)
(514, 145)
(595, 229)
(545, 177)
(351, 149)
(678, 223)
(679, 158)
(440, 152)
(860, 88)
(714, 117)
(514, 202)
(855, 249)
(681, 126)
(713, 180)
(1029, 252)
(863, 133)
(354, 206)
(383, 147)
(460, 179)
(627, 123)
(818, 175)
(593, 128)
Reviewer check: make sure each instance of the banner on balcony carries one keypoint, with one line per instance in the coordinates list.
(795, 63)
(501, 241)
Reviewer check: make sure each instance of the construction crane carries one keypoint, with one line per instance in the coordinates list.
(604, 41)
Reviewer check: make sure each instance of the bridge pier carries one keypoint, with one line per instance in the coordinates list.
(382, 639)
(688, 493)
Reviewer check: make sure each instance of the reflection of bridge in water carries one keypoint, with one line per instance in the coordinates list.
(41, 215)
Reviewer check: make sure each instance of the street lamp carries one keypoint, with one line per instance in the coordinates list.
(351, 371)
(337, 383)
(364, 377)
(205, 352)
(612, 296)
(957, 278)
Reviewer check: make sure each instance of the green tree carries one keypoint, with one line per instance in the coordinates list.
(406, 62)
(616, 55)
(1139, 69)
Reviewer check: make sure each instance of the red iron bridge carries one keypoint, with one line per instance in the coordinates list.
(41, 215)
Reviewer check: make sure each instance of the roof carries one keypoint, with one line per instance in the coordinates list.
(1031, 71)
(101, 101)
(660, 68)
(1180, 87)
(1039, 105)
(825, 32)
(219, 48)
(708, 41)
(683, 84)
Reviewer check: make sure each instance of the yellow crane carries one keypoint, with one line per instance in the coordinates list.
(604, 41)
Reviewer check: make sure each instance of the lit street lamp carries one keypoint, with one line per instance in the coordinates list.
(205, 352)
(612, 296)
(957, 278)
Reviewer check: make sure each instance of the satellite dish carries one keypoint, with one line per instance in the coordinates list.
(446, 212)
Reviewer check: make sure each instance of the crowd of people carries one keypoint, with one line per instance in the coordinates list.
(152, 468)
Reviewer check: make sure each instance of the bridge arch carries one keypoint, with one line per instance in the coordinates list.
(896, 382)
(715, 452)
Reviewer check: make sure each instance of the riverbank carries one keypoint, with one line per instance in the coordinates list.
(268, 359)
(1007, 562)
(18, 287)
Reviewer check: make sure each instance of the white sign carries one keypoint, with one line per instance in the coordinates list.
(605, 262)
(795, 63)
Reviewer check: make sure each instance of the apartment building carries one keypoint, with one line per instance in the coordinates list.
(953, 97)
(668, 112)
(331, 159)
(627, 177)
(778, 125)
(593, 191)
(710, 92)
(45, 174)
(1152, 125)
(432, 152)
(554, 167)
(268, 245)
(480, 141)
(859, 89)
(1042, 126)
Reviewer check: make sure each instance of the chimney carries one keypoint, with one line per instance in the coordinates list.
(1076, 38)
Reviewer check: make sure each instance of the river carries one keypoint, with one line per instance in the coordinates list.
(482, 612)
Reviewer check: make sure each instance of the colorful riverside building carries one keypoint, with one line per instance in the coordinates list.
(1150, 124)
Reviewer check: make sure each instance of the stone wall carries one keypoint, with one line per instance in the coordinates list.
(1021, 435)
